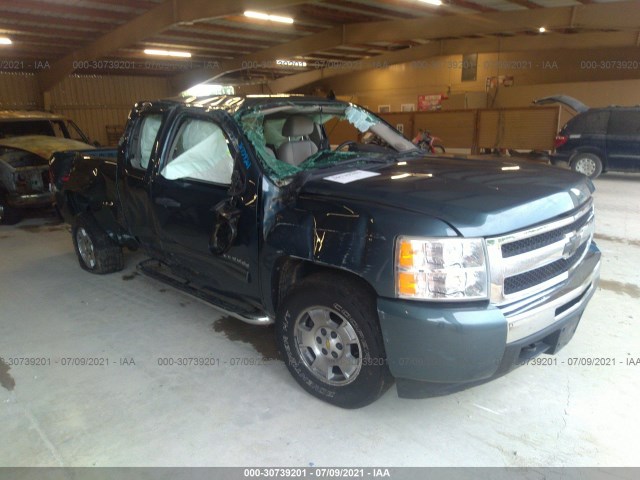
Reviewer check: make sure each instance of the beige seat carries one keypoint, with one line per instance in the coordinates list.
(298, 147)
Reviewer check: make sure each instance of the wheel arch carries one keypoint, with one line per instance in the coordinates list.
(290, 271)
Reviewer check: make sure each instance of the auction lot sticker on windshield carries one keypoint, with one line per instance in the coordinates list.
(349, 177)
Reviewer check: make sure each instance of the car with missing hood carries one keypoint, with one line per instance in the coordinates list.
(24, 172)
(597, 140)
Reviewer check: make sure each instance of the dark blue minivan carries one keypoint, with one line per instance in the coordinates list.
(597, 140)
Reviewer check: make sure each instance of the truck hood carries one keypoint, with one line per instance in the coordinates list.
(42, 145)
(476, 197)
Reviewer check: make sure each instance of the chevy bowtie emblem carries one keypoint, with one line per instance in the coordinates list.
(572, 245)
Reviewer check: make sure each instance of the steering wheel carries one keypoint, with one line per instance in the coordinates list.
(348, 143)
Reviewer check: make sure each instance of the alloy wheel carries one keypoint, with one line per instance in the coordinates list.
(328, 345)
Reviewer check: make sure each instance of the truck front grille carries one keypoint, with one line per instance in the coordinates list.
(538, 241)
(529, 263)
(543, 274)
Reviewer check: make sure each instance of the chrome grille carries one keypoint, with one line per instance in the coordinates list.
(540, 275)
(527, 265)
(527, 244)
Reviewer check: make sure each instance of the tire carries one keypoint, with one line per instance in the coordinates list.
(588, 164)
(328, 333)
(8, 215)
(96, 252)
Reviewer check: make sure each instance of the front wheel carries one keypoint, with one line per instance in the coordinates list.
(96, 252)
(329, 335)
(587, 163)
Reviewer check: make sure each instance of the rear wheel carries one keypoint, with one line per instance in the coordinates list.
(8, 214)
(588, 164)
(96, 252)
(329, 335)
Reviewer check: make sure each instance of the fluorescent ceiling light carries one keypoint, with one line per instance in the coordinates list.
(167, 53)
(437, 3)
(5, 41)
(266, 16)
(205, 90)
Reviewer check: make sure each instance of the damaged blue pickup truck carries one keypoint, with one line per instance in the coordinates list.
(376, 262)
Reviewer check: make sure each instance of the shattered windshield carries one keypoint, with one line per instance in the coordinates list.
(290, 137)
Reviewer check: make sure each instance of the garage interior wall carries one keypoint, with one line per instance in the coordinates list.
(19, 91)
(534, 74)
(92, 102)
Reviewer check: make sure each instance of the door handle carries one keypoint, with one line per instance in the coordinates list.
(167, 202)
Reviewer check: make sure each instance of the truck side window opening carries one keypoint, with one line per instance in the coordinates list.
(200, 152)
(148, 133)
(144, 140)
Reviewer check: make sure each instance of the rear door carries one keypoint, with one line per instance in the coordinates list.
(623, 140)
(190, 190)
(139, 152)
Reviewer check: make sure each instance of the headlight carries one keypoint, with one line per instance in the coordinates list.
(441, 269)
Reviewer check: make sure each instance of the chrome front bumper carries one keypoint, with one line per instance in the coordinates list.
(549, 309)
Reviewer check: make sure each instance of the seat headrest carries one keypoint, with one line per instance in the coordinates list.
(297, 126)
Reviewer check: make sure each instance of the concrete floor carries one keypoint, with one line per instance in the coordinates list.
(151, 415)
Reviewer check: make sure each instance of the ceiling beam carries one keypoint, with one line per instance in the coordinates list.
(151, 23)
(378, 9)
(34, 18)
(31, 7)
(461, 46)
(526, 3)
(617, 15)
(313, 43)
(419, 9)
(472, 6)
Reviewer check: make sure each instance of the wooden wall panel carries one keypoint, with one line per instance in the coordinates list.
(518, 128)
(455, 128)
(19, 91)
(95, 102)
(92, 102)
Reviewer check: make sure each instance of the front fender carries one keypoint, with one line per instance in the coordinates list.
(348, 236)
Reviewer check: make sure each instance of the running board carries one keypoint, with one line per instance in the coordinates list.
(158, 271)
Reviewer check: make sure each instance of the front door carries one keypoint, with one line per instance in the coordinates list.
(204, 225)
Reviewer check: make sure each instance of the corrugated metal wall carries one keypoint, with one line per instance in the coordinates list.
(19, 91)
(93, 102)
